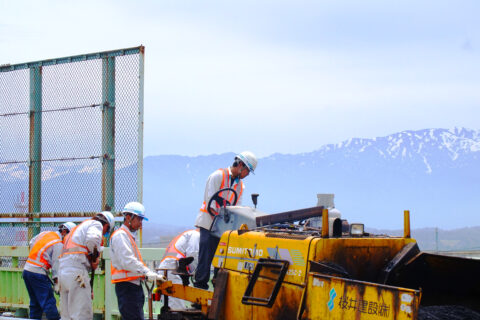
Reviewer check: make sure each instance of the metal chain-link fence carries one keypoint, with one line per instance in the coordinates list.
(71, 135)
(20, 233)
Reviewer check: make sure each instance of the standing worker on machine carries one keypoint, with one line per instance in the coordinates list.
(128, 267)
(231, 177)
(45, 248)
(79, 257)
(182, 246)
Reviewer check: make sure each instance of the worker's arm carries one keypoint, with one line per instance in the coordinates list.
(32, 242)
(93, 241)
(93, 238)
(239, 201)
(56, 251)
(214, 182)
(190, 248)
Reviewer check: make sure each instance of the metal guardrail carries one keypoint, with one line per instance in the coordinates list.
(14, 295)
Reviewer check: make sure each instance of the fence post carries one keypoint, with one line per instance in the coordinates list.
(140, 133)
(108, 134)
(34, 164)
(140, 125)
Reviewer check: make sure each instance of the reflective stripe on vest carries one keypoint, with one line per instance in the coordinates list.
(126, 275)
(226, 184)
(45, 240)
(172, 251)
(70, 247)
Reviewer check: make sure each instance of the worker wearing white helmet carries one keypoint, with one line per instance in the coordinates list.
(78, 258)
(182, 246)
(67, 226)
(45, 248)
(128, 268)
(231, 177)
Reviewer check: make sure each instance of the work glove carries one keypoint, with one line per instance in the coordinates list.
(151, 276)
(161, 278)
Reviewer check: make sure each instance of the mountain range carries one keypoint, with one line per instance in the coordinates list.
(434, 173)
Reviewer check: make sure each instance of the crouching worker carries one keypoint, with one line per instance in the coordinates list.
(128, 268)
(182, 246)
(46, 247)
(76, 262)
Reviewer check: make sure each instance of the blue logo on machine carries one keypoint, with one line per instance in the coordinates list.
(331, 303)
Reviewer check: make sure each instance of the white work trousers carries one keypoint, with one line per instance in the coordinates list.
(75, 294)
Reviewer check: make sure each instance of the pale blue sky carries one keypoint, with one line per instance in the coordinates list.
(272, 76)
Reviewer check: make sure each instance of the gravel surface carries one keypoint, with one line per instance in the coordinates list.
(447, 313)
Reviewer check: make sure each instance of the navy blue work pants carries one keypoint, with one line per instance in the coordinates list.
(207, 247)
(40, 291)
(130, 298)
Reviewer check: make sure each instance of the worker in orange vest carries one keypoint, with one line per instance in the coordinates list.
(45, 249)
(182, 246)
(128, 268)
(231, 177)
(76, 262)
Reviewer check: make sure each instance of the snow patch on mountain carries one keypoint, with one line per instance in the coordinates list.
(90, 169)
(429, 169)
(13, 172)
(436, 145)
(50, 173)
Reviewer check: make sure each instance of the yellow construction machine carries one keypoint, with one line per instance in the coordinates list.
(311, 264)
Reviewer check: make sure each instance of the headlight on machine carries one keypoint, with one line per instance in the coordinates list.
(356, 229)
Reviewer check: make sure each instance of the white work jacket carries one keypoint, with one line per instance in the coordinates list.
(51, 254)
(88, 234)
(214, 183)
(182, 246)
(123, 255)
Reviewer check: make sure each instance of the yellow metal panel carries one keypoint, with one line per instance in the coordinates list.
(337, 298)
(362, 258)
(241, 252)
(285, 306)
(233, 307)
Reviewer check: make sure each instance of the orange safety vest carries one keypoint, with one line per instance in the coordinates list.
(172, 251)
(45, 240)
(126, 275)
(226, 184)
(71, 247)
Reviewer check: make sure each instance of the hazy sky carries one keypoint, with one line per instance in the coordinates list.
(272, 76)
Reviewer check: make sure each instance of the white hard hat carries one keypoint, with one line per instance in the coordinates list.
(107, 216)
(135, 208)
(67, 225)
(249, 159)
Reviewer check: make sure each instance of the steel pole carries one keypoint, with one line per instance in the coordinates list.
(141, 72)
(34, 164)
(108, 134)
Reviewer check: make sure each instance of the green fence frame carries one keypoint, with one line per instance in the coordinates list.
(108, 105)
